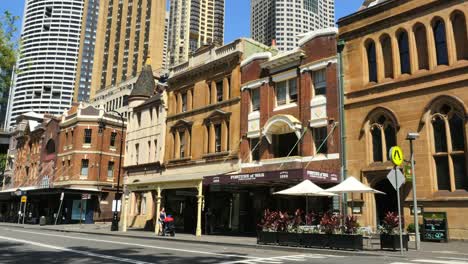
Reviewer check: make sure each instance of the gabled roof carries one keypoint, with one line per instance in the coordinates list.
(145, 84)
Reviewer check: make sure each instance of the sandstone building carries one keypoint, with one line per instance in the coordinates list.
(405, 70)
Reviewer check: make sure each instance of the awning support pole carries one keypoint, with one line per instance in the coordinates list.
(158, 209)
(199, 208)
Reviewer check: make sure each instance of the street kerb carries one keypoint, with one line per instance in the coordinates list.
(256, 246)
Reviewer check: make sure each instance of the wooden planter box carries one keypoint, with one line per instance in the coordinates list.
(289, 239)
(353, 242)
(264, 237)
(393, 241)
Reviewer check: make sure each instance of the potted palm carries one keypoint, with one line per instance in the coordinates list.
(389, 234)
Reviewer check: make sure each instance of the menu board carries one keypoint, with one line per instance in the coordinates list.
(434, 226)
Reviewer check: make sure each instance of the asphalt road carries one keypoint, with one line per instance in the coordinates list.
(40, 246)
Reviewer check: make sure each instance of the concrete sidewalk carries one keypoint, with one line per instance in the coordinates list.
(372, 248)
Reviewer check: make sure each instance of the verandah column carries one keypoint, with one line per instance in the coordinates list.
(158, 208)
(199, 208)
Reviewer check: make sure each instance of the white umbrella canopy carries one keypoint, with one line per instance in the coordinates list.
(305, 188)
(352, 185)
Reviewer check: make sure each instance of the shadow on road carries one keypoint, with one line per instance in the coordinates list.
(20, 253)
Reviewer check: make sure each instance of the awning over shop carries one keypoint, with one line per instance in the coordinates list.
(172, 180)
(273, 177)
(282, 124)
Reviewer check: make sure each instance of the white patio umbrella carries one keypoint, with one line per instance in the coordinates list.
(352, 185)
(305, 188)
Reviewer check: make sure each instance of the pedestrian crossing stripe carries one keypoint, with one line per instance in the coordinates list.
(435, 261)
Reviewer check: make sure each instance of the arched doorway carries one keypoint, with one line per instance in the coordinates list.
(385, 203)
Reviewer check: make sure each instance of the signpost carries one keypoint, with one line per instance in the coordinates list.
(397, 179)
(60, 207)
(24, 199)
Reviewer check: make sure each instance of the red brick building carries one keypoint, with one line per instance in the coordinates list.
(88, 161)
(289, 131)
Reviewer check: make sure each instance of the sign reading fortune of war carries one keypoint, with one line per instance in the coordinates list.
(396, 155)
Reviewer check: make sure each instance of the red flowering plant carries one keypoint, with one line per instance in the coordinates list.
(390, 223)
(310, 218)
(269, 221)
(283, 222)
(330, 223)
(350, 224)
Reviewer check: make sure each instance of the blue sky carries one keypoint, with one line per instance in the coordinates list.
(237, 22)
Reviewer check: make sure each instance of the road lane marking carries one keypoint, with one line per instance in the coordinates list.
(283, 259)
(452, 258)
(90, 254)
(439, 261)
(139, 245)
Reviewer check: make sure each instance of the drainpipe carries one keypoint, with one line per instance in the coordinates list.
(344, 169)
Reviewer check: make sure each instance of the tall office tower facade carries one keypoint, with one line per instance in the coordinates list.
(129, 31)
(45, 77)
(166, 39)
(193, 23)
(284, 20)
(86, 56)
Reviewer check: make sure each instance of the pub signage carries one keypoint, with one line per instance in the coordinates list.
(271, 176)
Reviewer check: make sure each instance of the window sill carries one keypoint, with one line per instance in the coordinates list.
(180, 159)
(83, 177)
(285, 106)
(216, 154)
(113, 149)
(86, 145)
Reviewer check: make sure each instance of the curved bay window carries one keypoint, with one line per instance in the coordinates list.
(371, 61)
(383, 137)
(448, 129)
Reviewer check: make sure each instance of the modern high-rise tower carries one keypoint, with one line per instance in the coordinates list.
(128, 32)
(86, 56)
(166, 39)
(193, 23)
(284, 20)
(46, 71)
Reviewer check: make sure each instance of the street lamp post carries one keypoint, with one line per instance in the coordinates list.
(411, 137)
(115, 216)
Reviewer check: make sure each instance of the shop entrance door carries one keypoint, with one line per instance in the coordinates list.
(385, 203)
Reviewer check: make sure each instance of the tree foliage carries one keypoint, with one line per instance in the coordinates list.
(8, 48)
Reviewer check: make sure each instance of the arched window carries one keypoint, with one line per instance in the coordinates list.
(387, 53)
(383, 133)
(460, 35)
(448, 127)
(440, 39)
(50, 147)
(421, 44)
(403, 48)
(371, 61)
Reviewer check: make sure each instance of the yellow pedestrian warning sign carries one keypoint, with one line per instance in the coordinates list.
(396, 155)
(24, 198)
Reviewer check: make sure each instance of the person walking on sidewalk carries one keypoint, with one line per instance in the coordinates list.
(162, 216)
